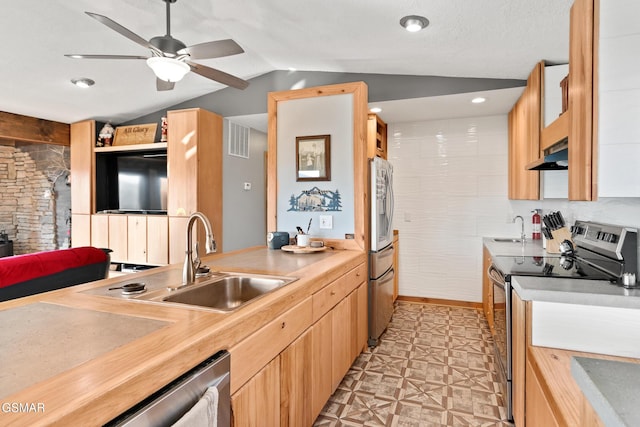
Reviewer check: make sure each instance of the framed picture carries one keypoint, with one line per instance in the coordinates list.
(313, 158)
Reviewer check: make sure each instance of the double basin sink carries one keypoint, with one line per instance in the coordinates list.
(220, 291)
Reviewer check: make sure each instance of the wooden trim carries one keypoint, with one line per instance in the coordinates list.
(581, 106)
(132, 147)
(437, 301)
(596, 99)
(361, 192)
(31, 129)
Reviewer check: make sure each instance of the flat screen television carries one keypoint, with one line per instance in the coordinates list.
(131, 182)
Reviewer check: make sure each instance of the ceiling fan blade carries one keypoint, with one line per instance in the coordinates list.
(122, 30)
(215, 49)
(77, 56)
(217, 75)
(162, 85)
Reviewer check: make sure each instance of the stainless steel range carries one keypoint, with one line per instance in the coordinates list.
(595, 252)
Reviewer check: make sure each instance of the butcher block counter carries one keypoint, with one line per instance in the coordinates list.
(78, 356)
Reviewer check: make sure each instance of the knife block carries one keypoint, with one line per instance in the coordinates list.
(559, 236)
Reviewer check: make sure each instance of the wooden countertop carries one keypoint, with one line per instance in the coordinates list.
(114, 375)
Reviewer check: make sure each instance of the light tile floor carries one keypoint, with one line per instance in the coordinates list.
(434, 366)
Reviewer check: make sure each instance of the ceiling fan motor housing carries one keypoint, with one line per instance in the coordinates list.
(167, 44)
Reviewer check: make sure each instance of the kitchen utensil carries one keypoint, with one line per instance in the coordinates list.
(309, 226)
(547, 233)
(300, 231)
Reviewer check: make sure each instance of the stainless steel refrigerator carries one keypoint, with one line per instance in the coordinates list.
(381, 272)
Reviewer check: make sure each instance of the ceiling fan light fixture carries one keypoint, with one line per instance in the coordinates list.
(414, 23)
(168, 69)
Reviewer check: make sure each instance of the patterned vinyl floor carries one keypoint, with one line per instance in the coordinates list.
(434, 366)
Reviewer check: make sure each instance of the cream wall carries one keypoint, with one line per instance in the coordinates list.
(450, 182)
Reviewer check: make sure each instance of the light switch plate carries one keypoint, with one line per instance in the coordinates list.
(326, 221)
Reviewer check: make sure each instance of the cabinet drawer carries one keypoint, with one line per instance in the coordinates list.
(336, 291)
(251, 355)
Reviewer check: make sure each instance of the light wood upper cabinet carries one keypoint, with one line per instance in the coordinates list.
(582, 106)
(194, 167)
(524, 139)
(376, 137)
(82, 167)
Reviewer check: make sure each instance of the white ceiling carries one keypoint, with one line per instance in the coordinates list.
(466, 38)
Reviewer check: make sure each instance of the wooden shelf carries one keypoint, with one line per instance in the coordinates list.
(132, 147)
(555, 132)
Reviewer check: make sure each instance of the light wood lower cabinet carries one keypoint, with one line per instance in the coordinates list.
(80, 230)
(138, 239)
(487, 288)
(313, 356)
(519, 342)
(257, 403)
(538, 408)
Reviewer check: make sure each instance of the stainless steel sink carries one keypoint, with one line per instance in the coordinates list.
(507, 240)
(228, 292)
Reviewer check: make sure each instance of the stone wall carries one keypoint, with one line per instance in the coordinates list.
(28, 198)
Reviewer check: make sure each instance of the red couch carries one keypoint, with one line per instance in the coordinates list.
(24, 275)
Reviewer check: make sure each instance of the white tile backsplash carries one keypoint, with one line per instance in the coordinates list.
(447, 199)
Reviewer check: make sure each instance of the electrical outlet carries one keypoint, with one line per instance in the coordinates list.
(326, 221)
(247, 186)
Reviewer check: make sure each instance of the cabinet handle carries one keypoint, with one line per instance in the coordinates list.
(333, 293)
(283, 325)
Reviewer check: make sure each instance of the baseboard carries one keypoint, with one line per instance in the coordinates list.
(437, 301)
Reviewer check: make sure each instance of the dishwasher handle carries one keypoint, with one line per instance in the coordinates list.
(496, 276)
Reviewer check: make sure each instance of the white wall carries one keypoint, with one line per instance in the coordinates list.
(450, 183)
(323, 115)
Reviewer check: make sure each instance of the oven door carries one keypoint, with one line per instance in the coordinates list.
(502, 332)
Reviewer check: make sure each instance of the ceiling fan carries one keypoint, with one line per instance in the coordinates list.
(170, 59)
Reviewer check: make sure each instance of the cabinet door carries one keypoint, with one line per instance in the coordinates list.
(519, 349)
(80, 230)
(396, 258)
(177, 239)
(100, 231)
(296, 384)
(118, 237)
(257, 403)
(487, 288)
(157, 240)
(82, 138)
(582, 180)
(539, 412)
(322, 346)
(137, 239)
(343, 336)
(524, 139)
(363, 320)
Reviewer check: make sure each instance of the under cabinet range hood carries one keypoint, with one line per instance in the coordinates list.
(555, 157)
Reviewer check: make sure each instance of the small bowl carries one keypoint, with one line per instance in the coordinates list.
(316, 243)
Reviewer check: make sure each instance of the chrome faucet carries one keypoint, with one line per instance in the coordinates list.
(189, 269)
(522, 236)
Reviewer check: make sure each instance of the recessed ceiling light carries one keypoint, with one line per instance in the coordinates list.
(375, 109)
(83, 82)
(414, 23)
(478, 100)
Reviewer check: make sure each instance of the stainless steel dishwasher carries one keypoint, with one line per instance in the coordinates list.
(166, 406)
